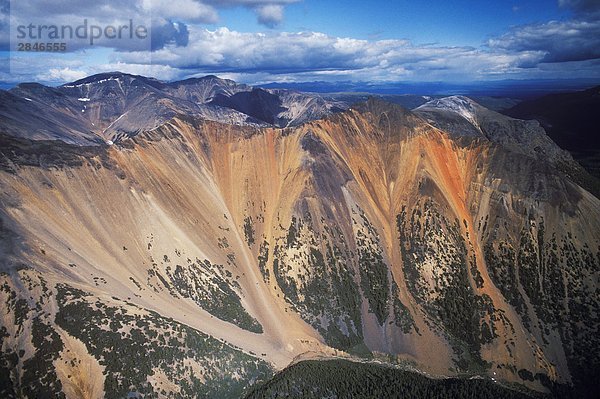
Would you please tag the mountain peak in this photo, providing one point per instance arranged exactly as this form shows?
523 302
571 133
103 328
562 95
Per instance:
464 106
206 79
113 105
389 119
377 106
112 76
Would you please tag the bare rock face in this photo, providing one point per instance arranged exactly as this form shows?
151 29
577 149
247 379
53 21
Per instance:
462 116
198 257
570 119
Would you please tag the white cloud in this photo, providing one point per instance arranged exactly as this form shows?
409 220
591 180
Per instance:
317 55
186 48
268 12
192 11
270 15
574 39
61 75
559 41
183 10
162 72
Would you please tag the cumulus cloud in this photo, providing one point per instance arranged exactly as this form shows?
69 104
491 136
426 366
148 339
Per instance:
559 41
52 8
36 17
182 10
181 46
167 20
314 54
270 15
62 70
166 32
61 75
575 39
268 12
163 72
188 10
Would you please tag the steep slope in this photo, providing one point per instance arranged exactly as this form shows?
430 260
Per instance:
279 107
37 112
303 107
106 99
257 103
571 120
224 252
203 90
462 116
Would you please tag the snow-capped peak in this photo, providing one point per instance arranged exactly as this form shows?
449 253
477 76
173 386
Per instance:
461 105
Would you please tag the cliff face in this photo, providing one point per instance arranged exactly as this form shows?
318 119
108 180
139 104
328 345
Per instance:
200 256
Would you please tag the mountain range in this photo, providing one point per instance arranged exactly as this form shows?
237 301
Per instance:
110 106
194 238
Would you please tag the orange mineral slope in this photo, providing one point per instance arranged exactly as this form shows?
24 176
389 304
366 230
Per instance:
369 230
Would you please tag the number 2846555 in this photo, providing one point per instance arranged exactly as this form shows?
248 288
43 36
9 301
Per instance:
38 46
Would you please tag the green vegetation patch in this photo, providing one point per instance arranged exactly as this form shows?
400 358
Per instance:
552 270
345 379
211 287
436 266
133 344
315 276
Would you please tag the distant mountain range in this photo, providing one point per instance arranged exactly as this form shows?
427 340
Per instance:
519 89
194 238
110 106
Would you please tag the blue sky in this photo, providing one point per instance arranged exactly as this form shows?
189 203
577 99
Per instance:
258 41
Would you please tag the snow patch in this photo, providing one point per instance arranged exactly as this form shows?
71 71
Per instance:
119 118
460 105
93 83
